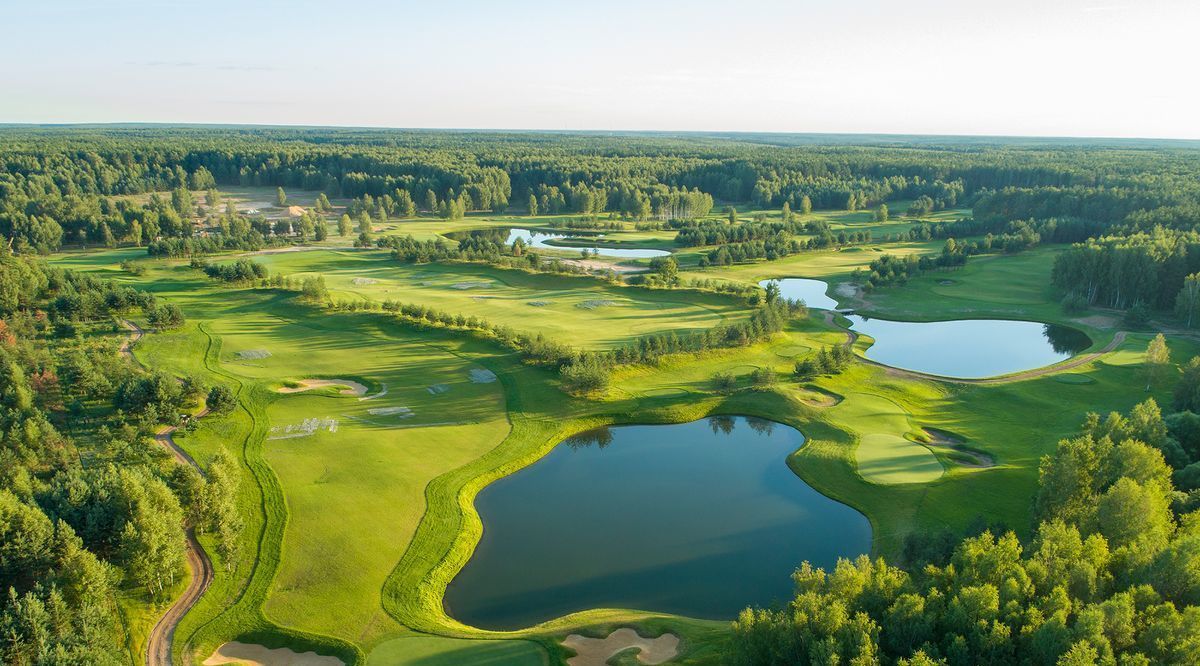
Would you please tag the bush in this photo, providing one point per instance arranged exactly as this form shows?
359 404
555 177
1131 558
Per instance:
763 377
584 375
220 400
725 381
1137 316
165 316
1074 304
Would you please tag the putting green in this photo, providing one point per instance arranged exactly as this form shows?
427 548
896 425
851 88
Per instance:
883 455
887 458
439 651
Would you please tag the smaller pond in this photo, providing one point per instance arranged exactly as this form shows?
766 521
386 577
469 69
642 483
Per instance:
969 348
701 519
540 239
545 240
812 292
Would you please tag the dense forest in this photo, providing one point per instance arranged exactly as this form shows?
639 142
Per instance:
59 185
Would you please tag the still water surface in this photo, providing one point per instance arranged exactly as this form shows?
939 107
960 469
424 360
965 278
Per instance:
700 518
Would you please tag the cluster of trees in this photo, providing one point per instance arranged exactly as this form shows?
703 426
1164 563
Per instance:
241 270
712 232
1111 575
889 269
778 246
1123 271
828 361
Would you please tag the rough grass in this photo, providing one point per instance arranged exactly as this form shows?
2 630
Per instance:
422 650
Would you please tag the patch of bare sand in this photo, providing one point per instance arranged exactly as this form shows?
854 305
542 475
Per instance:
817 397
973 459
259 655
597 265
1098 321
846 289
352 387
597 651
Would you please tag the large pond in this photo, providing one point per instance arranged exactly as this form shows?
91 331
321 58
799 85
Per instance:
543 240
701 519
969 348
812 292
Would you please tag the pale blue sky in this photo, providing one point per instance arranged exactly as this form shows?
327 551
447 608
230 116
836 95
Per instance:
1048 67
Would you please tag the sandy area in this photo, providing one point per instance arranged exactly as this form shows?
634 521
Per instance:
846 289
352 387
946 440
482 376
597 651
597 265
1099 321
819 398
402 412
258 655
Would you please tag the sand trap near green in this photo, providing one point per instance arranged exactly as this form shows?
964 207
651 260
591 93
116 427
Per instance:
439 651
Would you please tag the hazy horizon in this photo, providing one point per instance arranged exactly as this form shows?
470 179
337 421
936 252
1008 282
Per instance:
1069 69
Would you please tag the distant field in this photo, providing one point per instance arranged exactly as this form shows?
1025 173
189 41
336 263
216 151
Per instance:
582 311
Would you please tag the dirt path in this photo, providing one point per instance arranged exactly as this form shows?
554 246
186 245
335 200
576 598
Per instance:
158 645
1073 362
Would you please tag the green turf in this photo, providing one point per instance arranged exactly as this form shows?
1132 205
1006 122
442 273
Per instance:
351 536
437 651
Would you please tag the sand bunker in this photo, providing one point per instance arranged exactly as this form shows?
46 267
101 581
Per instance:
250 354
382 392
846 289
472 285
539 304
402 412
438 389
304 428
818 397
364 281
965 457
482 376
259 655
597 651
351 387
592 305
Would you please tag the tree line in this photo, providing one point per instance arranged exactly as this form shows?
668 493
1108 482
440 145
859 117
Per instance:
92 514
1110 575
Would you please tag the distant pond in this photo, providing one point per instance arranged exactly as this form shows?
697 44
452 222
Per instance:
969 348
701 519
542 239
812 292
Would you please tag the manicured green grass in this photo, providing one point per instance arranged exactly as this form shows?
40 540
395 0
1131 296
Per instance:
422 650
582 311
